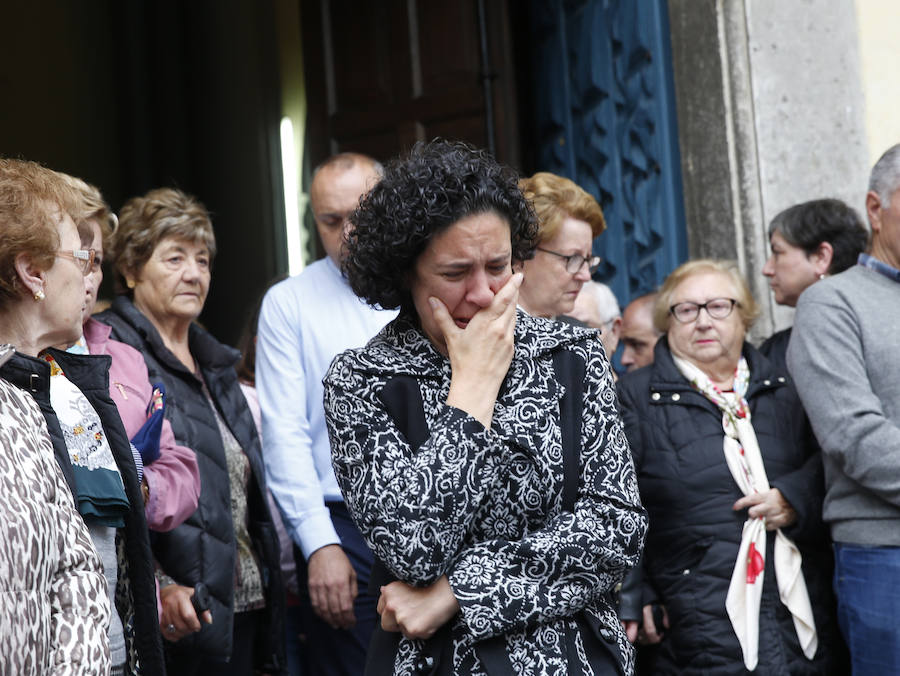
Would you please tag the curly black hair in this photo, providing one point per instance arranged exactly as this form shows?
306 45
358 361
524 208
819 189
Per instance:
435 185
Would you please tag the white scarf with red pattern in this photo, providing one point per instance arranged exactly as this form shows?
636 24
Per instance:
745 462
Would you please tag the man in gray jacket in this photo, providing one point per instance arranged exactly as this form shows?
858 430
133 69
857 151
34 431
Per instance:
844 356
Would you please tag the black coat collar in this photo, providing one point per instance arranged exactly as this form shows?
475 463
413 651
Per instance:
210 354
666 379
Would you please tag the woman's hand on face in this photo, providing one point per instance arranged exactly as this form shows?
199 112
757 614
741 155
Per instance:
770 505
416 612
178 617
481 353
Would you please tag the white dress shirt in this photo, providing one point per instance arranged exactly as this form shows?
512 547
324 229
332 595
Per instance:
304 323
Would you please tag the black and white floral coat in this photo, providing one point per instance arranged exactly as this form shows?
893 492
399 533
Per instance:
484 506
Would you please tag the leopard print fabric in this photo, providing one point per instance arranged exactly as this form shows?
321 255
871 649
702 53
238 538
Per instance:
54 609
484 506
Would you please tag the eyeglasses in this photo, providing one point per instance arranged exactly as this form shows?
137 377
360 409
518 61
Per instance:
84 258
575 261
717 308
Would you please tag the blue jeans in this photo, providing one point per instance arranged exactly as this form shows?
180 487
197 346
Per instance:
867 585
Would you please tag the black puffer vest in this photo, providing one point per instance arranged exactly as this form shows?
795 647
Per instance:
202 549
136 593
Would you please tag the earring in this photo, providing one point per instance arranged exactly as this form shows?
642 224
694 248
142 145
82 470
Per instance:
39 295
822 276
129 283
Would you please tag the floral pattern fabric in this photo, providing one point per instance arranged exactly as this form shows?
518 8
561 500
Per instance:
484 506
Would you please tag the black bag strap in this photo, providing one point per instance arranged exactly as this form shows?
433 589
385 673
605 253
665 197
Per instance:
570 369
403 402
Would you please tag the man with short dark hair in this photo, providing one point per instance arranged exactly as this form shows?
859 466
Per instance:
638 335
304 322
843 356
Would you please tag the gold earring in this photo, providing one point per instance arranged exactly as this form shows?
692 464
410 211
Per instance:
129 283
39 295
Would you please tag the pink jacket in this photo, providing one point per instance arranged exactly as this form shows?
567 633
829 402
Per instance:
174 479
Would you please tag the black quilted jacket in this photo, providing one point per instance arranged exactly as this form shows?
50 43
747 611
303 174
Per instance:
676 438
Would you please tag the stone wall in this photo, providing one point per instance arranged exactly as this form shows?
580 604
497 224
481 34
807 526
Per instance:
770 113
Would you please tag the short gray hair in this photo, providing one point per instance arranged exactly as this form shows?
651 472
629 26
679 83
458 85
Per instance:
607 305
885 176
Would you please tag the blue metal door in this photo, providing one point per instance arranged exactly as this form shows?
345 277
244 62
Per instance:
604 113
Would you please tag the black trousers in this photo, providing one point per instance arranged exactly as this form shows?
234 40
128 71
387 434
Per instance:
182 663
339 652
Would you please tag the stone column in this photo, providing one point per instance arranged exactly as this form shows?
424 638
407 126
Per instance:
770 113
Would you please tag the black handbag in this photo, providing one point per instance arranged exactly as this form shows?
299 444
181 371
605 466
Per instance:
403 401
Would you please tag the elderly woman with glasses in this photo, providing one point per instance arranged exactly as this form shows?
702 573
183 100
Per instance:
162 254
568 220
43 269
171 480
737 556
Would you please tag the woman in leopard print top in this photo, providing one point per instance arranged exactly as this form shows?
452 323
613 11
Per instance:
54 610
53 605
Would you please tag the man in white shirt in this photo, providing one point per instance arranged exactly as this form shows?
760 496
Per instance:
304 322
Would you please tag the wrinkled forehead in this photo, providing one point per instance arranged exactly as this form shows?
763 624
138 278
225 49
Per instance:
182 245
703 286
69 234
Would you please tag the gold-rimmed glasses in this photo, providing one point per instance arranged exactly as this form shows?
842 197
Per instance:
84 258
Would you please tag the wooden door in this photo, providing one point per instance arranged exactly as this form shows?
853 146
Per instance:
382 74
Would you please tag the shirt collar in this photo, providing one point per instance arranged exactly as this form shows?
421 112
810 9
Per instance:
879 266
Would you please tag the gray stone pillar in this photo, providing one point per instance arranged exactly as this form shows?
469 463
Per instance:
770 113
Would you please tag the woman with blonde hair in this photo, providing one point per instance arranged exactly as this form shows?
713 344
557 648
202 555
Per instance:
568 220
170 480
737 555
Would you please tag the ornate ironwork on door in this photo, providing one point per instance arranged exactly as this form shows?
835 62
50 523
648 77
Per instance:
604 114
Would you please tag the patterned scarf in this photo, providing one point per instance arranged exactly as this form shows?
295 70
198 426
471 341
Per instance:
100 493
745 462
